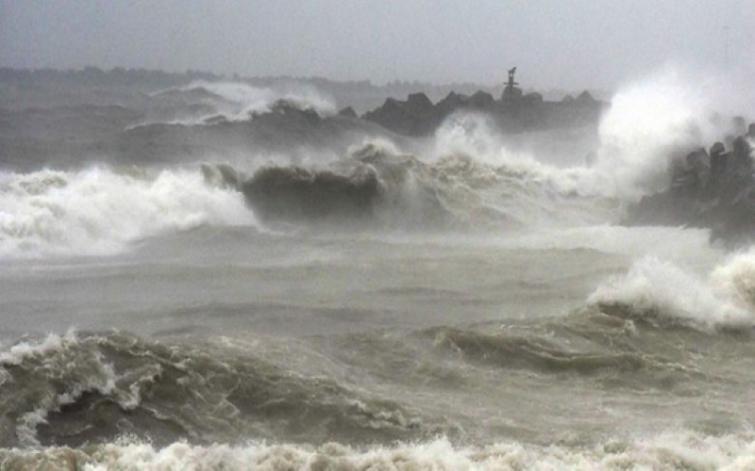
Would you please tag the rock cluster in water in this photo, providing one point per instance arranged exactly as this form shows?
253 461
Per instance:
712 188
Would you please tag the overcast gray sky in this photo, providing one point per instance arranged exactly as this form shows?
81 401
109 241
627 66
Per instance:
556 43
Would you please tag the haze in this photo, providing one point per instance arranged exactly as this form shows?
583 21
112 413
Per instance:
565 44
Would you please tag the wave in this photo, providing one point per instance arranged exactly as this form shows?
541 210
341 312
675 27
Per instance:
735 279
203 102
378 186
662 293
101 211
672 449
79 388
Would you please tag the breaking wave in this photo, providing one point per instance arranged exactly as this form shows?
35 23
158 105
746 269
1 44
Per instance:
79 388
205 101
388 189
661 292
99 211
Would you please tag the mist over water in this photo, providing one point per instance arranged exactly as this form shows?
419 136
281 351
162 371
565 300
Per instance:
463 300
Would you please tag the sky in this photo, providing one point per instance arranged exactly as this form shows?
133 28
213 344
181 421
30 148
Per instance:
554 43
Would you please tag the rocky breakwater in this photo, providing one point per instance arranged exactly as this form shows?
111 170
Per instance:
712 188
513 112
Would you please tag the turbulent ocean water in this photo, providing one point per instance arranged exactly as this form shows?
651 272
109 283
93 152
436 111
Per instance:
480 309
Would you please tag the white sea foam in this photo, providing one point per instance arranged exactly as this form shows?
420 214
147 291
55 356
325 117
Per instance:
670 450
665 292
99 211
16 354
735 279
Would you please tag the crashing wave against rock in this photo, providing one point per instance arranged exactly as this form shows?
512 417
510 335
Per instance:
714 189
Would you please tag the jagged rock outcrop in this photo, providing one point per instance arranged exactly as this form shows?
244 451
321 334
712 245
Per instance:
713 189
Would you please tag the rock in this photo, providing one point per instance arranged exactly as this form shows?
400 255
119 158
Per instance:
718 158
292 111
585 98
715 190
693 173
533 98
514 112
348 112
419 103
452 102
742 156
415 116
481 100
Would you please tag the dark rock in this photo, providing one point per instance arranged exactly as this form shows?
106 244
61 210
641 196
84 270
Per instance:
481 100
515 112
292 111
742 156
533 97
348 112
415 116
452 102
585 98
419 103
715 191
718 158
